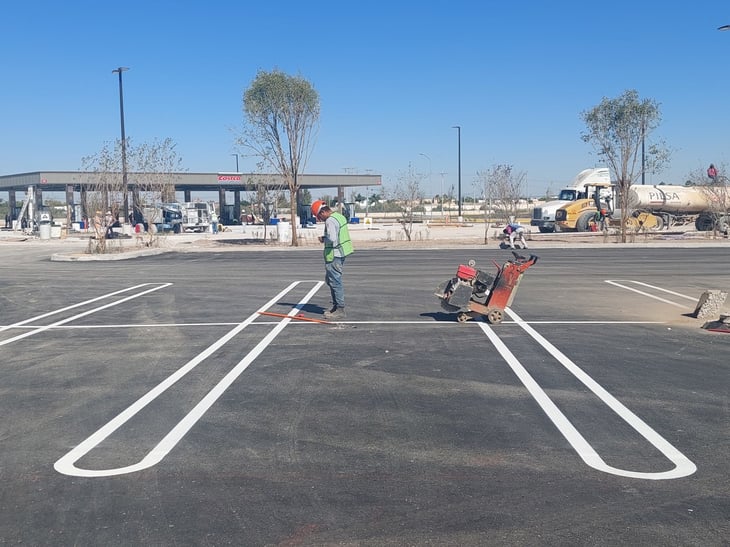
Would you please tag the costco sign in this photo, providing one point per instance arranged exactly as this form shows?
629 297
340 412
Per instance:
229 178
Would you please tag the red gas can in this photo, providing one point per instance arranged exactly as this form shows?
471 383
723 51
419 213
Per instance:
467 273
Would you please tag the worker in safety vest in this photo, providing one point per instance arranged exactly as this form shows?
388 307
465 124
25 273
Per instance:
337 246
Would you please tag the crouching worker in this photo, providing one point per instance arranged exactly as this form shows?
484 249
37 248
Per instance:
337 247
515 231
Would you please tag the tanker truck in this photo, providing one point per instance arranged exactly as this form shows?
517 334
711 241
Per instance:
706 205
653 208
543 216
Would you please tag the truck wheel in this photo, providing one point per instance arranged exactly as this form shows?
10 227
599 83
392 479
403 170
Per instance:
704 223
584 221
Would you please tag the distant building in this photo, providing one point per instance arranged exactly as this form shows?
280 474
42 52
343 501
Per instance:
75 183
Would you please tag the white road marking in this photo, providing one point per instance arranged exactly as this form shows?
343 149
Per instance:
615 283
657 288
66 464
84 303
80 315
683 466
442 324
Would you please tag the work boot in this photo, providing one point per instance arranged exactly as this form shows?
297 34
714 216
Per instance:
336 313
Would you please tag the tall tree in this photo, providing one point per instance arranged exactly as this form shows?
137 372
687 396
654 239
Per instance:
281 115
617 129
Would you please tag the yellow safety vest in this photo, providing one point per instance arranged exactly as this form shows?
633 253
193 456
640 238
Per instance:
343 238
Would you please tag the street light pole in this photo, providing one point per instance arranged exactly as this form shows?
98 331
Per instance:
124 143
236 161
458 129
442 193
429 168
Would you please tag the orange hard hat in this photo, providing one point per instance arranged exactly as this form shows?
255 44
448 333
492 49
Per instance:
316 206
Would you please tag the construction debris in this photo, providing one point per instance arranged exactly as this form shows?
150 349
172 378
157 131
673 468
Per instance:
710 304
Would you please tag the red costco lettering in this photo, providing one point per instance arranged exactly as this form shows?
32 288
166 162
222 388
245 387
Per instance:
229 177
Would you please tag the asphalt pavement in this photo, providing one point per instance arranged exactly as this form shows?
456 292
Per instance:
150 402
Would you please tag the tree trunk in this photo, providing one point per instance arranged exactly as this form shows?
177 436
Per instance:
293 209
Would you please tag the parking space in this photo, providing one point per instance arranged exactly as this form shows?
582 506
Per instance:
149 401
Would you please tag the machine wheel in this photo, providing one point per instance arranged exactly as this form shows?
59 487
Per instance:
462 317
660 224
495 316
584 221
545 230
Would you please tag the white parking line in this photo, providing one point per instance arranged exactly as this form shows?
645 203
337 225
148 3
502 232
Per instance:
84 303
422 323
683 466
80 315
617 284
66 464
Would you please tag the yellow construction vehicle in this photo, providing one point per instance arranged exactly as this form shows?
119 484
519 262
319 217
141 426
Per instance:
584 215
597 212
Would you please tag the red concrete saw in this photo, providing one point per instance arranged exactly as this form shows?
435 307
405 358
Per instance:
473 292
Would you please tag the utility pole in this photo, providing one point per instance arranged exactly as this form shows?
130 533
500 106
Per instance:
125 191
442 173
458 129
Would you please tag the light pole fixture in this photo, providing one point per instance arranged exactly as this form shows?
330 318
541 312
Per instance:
458 129
124 142
236 161
724 27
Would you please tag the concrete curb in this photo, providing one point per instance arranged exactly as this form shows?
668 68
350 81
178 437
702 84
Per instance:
383 238
123 255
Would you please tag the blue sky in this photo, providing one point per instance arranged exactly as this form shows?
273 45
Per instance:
393 79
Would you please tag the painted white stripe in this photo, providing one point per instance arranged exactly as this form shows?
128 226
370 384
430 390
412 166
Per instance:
657 288
80 315
84 303
645 293
421 322
66 464
683 466
452 324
